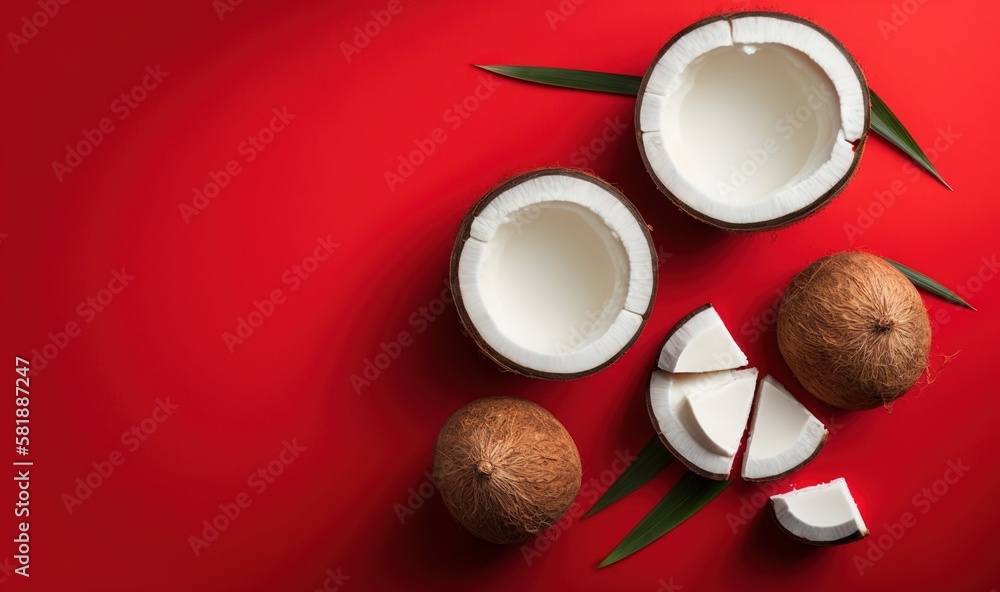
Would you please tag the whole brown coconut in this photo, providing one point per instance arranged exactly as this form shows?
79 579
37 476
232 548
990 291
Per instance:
854 331
506 468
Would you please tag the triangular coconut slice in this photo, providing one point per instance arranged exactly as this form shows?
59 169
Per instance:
701 417
784 435
823 514
700 342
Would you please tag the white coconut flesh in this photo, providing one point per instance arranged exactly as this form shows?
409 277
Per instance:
702 417
753 120
784 435
702 343
821 514
557 274
716 417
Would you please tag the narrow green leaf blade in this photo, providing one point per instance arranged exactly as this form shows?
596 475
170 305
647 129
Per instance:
621 84
922 281
885 124
688 496
884 121
652 459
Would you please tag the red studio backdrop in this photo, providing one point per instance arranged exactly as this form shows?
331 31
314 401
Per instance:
216 213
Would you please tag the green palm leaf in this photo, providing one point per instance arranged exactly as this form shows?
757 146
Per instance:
688 496
922 281
653 458
884 122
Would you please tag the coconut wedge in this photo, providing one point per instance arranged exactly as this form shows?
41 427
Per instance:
700 342
751 121
554 274
784 435
701 417
823 514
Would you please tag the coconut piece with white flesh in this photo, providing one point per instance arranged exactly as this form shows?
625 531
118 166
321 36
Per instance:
784 435
823 514
554 274
700 342
752 120
701 417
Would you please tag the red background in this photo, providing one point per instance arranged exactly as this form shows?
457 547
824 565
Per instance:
335 506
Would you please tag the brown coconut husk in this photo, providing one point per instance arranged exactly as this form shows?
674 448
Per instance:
854 331
506 468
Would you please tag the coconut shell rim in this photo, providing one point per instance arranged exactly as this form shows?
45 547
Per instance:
463 235
792 217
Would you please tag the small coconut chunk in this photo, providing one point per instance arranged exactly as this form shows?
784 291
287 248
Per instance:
696 436
823 514
784 435
700 342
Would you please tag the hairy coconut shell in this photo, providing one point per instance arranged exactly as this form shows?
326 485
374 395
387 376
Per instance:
854 331
506 468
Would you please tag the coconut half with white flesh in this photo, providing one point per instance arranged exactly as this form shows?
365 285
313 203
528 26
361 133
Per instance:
823 514
700 342
554 274
701 417
752 120
784 435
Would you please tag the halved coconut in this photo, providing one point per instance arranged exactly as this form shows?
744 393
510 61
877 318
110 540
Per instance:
554 274
784 435
701 417
823 514
700 342
752 120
